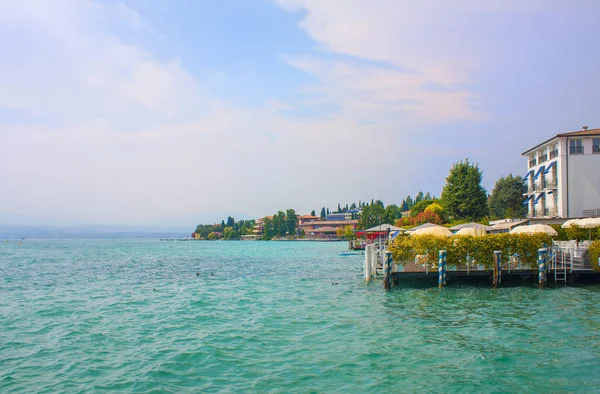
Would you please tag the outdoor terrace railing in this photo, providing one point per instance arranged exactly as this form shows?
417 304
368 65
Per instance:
532 162
590 212
543 158
553 153
551 184
539 186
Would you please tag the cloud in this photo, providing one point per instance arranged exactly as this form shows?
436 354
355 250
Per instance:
67 60
410 45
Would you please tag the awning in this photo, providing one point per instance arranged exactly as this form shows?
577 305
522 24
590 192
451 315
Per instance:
527 176
538 198
550 191
551 166
527 199
538 172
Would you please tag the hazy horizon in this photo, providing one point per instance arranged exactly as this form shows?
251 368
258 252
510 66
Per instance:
124 112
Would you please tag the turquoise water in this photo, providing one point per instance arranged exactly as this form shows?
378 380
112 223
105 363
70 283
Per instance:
134 316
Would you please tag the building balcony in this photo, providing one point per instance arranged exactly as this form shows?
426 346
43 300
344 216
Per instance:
543 158
539 186
551 184
532 162
528 189
551 212
553 153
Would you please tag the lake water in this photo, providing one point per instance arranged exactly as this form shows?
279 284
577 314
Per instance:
151 316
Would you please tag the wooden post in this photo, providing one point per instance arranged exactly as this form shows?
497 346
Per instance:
542 267
388 271
497 268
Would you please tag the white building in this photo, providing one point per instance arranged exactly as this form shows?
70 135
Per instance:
563 176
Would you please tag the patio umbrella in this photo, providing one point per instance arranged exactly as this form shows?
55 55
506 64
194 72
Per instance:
437 230
569 223
534 228
471 231
589 223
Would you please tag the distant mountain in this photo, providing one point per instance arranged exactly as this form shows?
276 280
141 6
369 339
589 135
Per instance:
62 226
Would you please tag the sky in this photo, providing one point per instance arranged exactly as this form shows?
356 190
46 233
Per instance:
170 111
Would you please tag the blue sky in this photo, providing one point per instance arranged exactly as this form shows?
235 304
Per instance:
142 112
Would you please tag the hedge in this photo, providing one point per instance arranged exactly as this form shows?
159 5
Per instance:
481 249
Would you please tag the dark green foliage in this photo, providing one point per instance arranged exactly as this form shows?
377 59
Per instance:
233 230
507 198
392 214
230 222
291 221
312 213
463 197
372 215
323 214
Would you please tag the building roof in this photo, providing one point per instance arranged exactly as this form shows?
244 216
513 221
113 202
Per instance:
330 222
383 227
324 230
308 217
508 225
580 133
469 225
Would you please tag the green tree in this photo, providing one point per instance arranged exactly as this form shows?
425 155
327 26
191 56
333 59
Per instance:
312 213
268 229
463 197
228 233
291 221
419 197
323 213
435 208
392 213
507 198
419 207
353 206
230 222
372 215
279 224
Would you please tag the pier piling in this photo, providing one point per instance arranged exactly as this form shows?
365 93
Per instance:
441 268
369 262
497 268
542 267
388 271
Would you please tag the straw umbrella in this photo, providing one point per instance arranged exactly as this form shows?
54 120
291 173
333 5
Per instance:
438 230
474 231
589 223
570 223
534 228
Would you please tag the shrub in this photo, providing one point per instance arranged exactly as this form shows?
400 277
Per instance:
594 255
481 249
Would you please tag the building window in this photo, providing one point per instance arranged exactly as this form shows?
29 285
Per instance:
532 160
596 145
554 151
576 147
544 156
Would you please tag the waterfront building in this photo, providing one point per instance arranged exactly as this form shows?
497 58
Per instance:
348 215
310 227
563 176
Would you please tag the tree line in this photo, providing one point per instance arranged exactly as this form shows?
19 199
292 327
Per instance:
463 198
